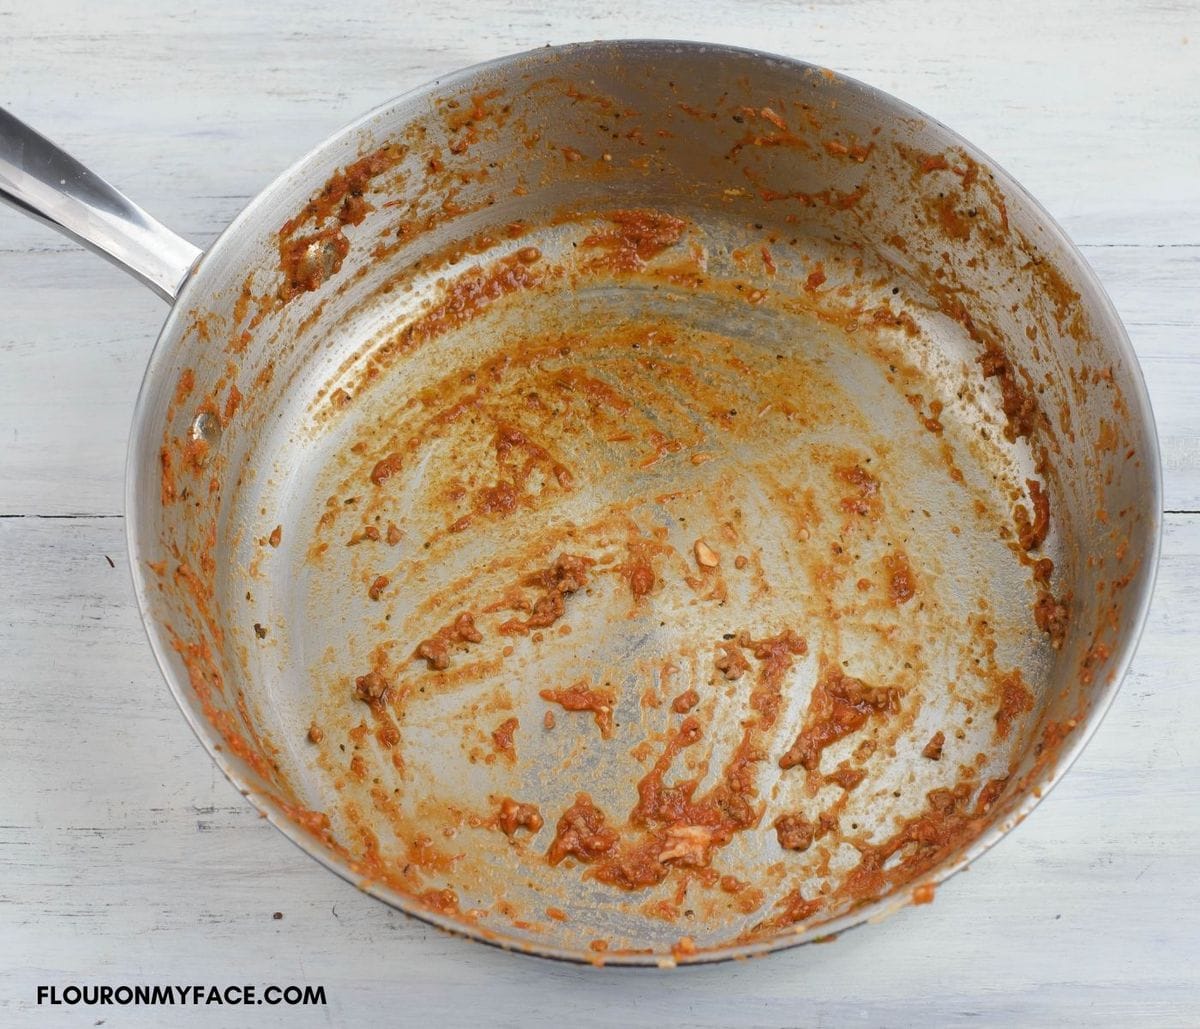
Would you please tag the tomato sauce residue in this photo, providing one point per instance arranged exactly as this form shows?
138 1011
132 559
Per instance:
232 402
580 696
864 501
901 580
1052 615
168 490
1032 531
855 151
1015 700
515 815
949 819
793 909
184 386
582 833
436 650
342 195
634 238
923 894
385 468
444 902
502 738
567 575
518 457
840 705
1020 408
641 578
308 260
679 828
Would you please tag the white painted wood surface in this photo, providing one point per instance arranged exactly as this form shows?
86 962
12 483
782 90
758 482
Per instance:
124 857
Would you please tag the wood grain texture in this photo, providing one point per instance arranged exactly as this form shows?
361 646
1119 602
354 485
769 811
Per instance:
124 857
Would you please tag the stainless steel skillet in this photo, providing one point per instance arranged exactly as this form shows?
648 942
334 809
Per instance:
634 502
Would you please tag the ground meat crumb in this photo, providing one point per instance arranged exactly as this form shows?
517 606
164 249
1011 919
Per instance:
1052 617
1032 531
371 686
315 733
435 651
581 833
465 630
502 736
687 700
795 832
515 815
385 469
731 662
933 749
567 575
706 557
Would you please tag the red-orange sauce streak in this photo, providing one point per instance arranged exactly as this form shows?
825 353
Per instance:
635 237
580 696
948 820
1032 532
1015 700
840 705
682 829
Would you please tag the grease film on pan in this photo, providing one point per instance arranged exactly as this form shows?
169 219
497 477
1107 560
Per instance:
668 503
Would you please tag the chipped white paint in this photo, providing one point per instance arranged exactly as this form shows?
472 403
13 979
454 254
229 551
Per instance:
123 855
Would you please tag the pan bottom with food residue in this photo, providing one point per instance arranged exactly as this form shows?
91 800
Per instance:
638 502
648 581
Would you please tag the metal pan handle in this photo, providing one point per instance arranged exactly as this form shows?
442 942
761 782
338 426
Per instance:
46 183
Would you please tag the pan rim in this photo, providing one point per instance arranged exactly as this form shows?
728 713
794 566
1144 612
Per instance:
1137 615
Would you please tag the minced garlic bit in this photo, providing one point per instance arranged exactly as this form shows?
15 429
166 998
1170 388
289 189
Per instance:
706 557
